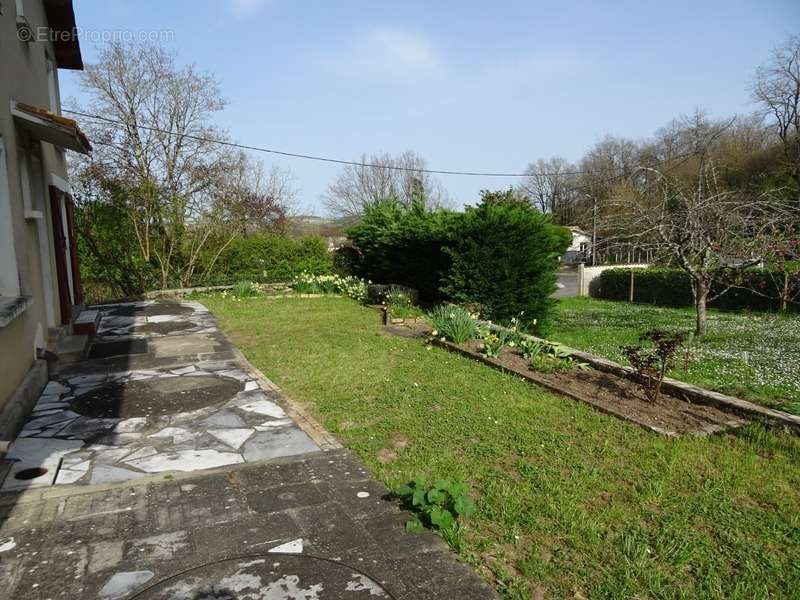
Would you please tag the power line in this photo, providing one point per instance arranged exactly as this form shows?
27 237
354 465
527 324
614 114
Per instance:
337 160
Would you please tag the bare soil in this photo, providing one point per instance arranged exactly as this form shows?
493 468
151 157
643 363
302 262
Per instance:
618 396
609 393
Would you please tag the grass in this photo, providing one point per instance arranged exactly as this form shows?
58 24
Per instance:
755 356
571 503
406 312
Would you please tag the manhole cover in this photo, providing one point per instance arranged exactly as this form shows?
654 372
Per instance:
156 396
270 576
33 473
152 310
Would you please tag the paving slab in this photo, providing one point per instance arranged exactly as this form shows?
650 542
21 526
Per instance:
317 525
163 407
191 477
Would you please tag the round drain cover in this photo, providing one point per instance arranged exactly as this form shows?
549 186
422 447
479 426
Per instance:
155 396
273 576
31 473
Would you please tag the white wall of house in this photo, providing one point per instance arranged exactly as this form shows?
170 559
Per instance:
28 74
9 276
581 242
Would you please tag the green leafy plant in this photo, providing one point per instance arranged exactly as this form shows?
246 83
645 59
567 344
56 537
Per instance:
494 343
454 323
546 363
651 362
530 348
400 304
397 298
551 357
437 506
244 289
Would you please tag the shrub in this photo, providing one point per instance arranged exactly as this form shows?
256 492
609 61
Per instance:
453 322
651 363
501 256
346 260
111 263
672 287
504 259
403 245
268 258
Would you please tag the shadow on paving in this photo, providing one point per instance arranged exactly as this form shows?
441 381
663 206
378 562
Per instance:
316 526
312 525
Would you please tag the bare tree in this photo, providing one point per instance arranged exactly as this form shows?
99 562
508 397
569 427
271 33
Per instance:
549 187
162 163
258 200
702 227
777 89
395 177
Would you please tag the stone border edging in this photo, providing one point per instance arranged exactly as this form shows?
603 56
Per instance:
181 292
681 389
542 382
389 320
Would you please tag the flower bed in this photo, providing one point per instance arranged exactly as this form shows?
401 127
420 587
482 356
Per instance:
352 287
567 373
611 394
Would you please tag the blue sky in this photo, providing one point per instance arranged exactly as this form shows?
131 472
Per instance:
470 85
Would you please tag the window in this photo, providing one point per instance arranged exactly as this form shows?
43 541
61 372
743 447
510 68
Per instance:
52 86
9 276
31 174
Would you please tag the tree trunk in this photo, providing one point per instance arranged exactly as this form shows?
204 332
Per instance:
701 290
785 294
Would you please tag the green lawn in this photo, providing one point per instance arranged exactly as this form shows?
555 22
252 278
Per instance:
571 502
755 356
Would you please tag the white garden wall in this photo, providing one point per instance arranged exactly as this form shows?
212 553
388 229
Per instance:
587 275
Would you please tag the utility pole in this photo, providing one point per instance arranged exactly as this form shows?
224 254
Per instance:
594 228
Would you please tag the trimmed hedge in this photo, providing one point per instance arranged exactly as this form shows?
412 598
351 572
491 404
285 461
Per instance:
504 259
398 244
672 287
500 257
268 258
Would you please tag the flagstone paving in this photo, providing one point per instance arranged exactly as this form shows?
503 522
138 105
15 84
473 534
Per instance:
97 423
167 467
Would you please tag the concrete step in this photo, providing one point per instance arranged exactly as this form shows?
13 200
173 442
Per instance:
72 349
87 322
56 334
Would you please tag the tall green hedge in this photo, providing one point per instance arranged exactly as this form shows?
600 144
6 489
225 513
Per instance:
672 287
397 244
500 256
504 259
267 258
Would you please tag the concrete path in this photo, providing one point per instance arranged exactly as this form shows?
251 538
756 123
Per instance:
163 390
567 282
243 496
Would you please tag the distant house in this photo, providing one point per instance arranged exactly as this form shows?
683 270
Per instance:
40 288
580 250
